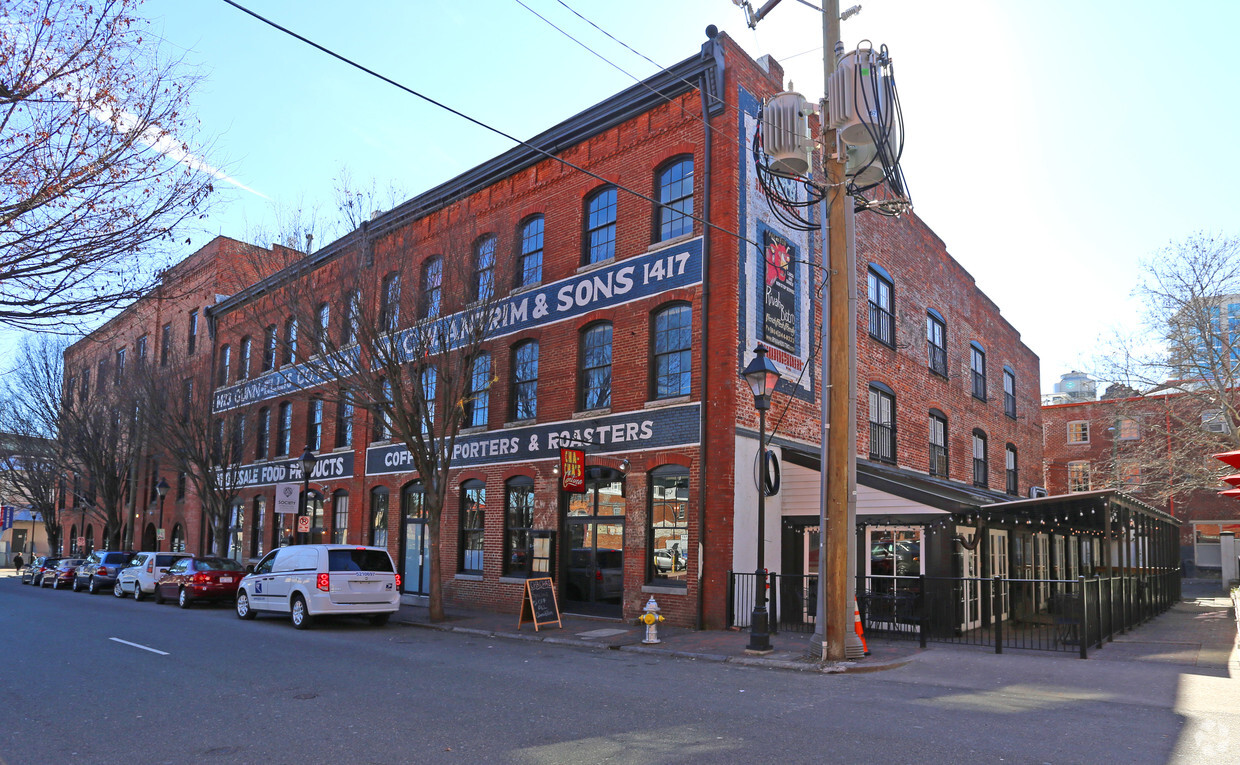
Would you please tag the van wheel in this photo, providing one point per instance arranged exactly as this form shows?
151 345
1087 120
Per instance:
379 620
301 616
117 590
243 606
137 591
183 599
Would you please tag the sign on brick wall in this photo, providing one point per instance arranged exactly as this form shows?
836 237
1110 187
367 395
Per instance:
328 467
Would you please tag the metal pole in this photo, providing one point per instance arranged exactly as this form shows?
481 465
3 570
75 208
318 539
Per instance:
759 635
305 505
159 543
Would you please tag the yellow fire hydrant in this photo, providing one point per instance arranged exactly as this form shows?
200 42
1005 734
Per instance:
651 618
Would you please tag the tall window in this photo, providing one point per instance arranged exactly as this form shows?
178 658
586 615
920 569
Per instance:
1013 486
882 326
269 348
430 382
601 226
596 367
352 315
432 287
379 499
938 444
525 381
340 517
120 365
225 365
478 399
1009 392
977 365
981 469
675 187
532 251
1078 476
101 375
673 336
1129 430
314 425
165 344
243 358
325 326
192 335
882 423
290 340
284 429
141 350
668 534
1078 432
382 430
262 433
936 342
484 269
259 522
389 303
473 507
518 524
344 424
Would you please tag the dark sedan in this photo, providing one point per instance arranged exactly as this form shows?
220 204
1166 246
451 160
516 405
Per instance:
191 580
100 570
32 568
41 567
62 574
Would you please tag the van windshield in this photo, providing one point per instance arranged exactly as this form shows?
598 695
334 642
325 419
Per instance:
358 560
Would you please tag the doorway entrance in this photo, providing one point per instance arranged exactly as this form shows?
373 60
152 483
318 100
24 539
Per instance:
798 585
417 579
593 582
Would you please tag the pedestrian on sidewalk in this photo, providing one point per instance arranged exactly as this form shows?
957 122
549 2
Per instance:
17 562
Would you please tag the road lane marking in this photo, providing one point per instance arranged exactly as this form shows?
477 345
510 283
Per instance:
139 645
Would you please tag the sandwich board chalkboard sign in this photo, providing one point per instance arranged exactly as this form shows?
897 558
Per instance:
538 604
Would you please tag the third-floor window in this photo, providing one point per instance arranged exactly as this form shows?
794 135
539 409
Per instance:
882 324
936 342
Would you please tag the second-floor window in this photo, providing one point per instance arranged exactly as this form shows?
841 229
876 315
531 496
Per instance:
325 325
1078 476
525 381
432 287
344 424
269 348
120 365
1009 392
243 358
531 252
882 324
284 430
193 331
314 425
165 344
882 424
1013 486
936 343
673 336
225 365
290 340
981 467
478 398
484 269
977 367
1078 432
938 444
261 433
596 367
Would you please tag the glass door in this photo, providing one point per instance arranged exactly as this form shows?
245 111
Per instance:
594 529
970 587
416 559
999 564
893 567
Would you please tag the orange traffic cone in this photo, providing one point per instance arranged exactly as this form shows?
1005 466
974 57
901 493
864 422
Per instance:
857 626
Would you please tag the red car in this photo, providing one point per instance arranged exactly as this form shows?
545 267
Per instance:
61 575
190 580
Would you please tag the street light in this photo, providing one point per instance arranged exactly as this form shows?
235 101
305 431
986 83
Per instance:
307 460
161 489
762 377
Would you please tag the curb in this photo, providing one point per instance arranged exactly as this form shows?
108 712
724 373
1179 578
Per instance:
843 668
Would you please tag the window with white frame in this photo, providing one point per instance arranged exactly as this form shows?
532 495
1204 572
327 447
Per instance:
1078 432
1078 476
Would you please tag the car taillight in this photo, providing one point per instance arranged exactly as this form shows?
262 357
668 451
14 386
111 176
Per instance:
324 582
102 570
398 580
150 567
598 576
201 578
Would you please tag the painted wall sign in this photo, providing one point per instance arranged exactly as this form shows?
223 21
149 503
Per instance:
572 470
328 467
779 294
631 431
623 281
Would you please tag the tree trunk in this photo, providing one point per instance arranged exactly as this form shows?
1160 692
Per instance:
433 515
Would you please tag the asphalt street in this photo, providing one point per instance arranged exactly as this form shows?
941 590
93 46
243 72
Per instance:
91 679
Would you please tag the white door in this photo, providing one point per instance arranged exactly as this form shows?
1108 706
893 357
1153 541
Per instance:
970 590
999 563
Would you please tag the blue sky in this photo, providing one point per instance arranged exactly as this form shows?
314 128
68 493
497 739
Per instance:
1051 145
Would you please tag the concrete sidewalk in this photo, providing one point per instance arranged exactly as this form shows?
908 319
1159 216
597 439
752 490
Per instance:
1200 632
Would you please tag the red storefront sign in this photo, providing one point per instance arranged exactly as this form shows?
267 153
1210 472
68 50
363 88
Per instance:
572 470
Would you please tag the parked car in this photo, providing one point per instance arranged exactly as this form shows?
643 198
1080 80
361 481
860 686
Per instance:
61 574
308 581
194 580
100 570
33 568
46 564
139 577
669 560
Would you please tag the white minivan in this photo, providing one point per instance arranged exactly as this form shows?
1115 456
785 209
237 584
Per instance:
143 571
306 581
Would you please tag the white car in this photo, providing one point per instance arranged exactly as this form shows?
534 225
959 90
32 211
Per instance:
305 581
144 570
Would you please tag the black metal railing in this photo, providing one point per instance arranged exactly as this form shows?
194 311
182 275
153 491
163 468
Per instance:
1058 615
882 328
938 359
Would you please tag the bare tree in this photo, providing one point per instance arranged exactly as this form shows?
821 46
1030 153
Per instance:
96 165
31 464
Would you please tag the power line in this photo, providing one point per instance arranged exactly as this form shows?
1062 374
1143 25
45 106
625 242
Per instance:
475 121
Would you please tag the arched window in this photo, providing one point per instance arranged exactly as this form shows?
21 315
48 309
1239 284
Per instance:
673 337
382 425
674 184
261 434
340 517
178 538
938 444
314 425
225 365
882 323
936 342
269 348
284 429
432 287
290 340
352 315
518 525
389 303
531 251
882 423
596 366
525 381
981 468
325 325
243 358
412 501
977 366
379 498
484 268
478 398
1013 487
344 423
600 234
472 516
1009 392
668 532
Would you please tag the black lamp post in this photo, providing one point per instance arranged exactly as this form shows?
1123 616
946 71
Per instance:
307 460
161 489
761 376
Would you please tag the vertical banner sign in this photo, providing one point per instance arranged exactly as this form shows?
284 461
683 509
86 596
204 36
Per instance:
7 522
287 496
572 470
779 295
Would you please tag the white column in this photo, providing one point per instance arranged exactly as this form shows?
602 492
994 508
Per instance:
1227 543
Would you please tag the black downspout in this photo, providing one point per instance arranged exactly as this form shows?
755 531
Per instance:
705 313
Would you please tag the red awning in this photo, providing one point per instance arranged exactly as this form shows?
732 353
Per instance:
1231 458
1230 493
1234 479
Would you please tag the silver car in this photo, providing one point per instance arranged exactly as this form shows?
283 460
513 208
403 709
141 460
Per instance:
144 570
